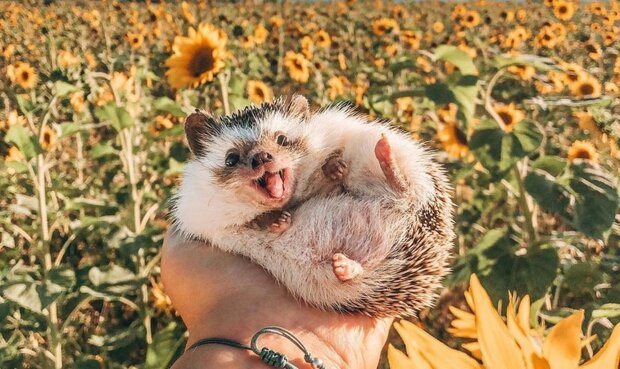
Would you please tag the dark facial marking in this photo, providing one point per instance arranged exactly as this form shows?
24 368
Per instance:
199 128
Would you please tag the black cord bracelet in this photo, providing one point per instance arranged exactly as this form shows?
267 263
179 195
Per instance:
268 356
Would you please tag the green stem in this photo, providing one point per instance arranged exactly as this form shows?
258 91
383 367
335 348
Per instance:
525 208
224 79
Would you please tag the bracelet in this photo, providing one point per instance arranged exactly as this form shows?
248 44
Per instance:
268 356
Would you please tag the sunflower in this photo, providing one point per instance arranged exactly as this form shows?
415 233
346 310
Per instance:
507 15
582 150
22 74
423 63
161 123
470 19
336 86
509 114
260 34
187 12
521 15
612 88
307 47
246 42
524 72
66 59
322 39
563 10
384 26
499 343
453 140
585 85
198 57
411 39
342 61
585 121
276 21
609 38
13 118
259 92
135 39
438 27
298 66
546 38
77 102
14 154
49 138
594 51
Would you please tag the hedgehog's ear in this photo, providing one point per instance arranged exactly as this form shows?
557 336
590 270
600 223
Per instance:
298 106
199 126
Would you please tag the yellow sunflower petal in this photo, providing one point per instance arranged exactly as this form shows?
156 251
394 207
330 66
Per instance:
398 360
520 335
437 354
562 347
474 349
609 355
499 350
523 314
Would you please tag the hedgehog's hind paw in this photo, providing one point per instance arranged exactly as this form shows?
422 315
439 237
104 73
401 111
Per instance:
344 268
383 152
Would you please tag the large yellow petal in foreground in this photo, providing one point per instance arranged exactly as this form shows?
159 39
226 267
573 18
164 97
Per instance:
562 348
398 360
437 354
499 350
608 357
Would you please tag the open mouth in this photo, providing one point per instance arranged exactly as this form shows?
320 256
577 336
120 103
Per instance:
273 184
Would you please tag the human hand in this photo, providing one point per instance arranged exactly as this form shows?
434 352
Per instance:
223 295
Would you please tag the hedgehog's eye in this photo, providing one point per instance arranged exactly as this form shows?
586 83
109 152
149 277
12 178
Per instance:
232 159
282 140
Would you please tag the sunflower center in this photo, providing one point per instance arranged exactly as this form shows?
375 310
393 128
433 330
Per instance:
202 61
586 89
562 9
298 64
259 92
583 154
470 19
25 75
506 118
460 136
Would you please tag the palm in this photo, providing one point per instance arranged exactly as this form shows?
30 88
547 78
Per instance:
223 295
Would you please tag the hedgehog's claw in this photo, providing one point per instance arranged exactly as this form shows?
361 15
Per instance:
344 268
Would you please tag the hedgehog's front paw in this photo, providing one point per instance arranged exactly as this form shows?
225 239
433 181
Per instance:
335 167
281 223
344 268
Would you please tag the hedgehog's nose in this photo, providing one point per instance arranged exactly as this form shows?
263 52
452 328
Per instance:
260 159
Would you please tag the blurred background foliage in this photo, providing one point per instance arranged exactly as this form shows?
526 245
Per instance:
520 101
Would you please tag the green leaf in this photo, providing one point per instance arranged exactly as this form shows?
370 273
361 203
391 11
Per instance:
548 193
25 142
596 194
25 105
531 273
25 295
465 91
498 150
165 344
440 93
69 128
100 150
63 276
457 57
64 88
168 105
553 165
118 117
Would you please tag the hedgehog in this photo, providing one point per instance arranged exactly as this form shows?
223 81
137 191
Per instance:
349 214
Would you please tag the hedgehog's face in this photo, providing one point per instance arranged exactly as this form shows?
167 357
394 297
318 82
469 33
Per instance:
252 156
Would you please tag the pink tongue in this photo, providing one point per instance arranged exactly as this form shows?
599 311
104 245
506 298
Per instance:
274 184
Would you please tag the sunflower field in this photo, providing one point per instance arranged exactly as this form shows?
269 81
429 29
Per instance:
521 102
